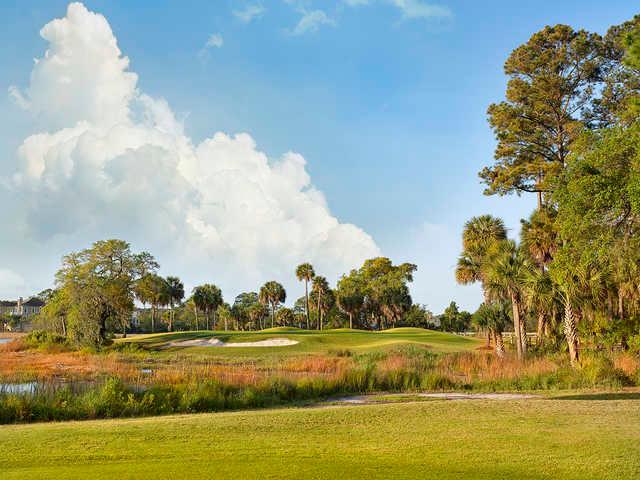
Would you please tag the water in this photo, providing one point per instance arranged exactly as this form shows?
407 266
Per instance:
5 340
18 388
51 386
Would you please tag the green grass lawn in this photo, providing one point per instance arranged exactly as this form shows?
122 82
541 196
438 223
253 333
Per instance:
309 341
524 439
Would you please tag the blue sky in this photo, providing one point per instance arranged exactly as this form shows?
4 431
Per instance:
387 110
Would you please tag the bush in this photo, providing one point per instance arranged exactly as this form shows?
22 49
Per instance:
45 339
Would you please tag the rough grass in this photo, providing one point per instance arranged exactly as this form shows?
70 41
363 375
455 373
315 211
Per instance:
534 439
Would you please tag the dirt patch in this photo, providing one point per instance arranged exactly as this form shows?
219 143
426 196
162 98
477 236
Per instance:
379 398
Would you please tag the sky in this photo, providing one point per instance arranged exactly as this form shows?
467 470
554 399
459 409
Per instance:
236 139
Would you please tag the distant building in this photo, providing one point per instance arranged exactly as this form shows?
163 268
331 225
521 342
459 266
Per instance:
20 308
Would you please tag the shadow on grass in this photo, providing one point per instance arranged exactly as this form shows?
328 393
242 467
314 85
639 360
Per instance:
601 396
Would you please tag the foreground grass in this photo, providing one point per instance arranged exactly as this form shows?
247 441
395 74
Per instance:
567 439
309 341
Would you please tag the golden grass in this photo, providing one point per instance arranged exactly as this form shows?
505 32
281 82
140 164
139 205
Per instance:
487 367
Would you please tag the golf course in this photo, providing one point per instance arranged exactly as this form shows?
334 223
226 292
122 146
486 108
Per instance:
590 437
302 341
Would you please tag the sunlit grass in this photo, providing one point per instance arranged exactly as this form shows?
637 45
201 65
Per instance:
478 439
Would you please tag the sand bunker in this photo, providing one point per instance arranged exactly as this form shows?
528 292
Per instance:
214 342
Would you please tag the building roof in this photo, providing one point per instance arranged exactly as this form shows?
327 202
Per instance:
34 302
8 303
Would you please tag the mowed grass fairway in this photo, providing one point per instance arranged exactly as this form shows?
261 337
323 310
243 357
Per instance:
309 341
477 439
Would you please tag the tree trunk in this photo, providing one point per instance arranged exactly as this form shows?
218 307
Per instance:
273 313
620 306
488 338
571 332
499 344
195 311
542 327
523 334
153 319
306 296
516 325
350 320
319 314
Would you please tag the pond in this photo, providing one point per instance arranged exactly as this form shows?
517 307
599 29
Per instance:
5 340
51 386
18 388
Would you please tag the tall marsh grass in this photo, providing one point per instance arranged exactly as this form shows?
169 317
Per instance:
82 385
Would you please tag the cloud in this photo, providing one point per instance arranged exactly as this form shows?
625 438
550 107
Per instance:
410 9
356 3
311 21
215 41
12 285
250 12
416 9
115 162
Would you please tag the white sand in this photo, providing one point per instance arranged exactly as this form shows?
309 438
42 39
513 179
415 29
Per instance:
214 342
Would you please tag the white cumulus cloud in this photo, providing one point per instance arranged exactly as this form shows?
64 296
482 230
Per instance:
115 162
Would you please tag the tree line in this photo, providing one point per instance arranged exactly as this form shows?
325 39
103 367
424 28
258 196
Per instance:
97 290
568 131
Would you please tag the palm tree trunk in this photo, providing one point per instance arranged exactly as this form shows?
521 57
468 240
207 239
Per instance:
319 314
350 320
523 334
542 327
153 319
516 325
499 344
195 311
620 306
306 296
273 313
488 338
571 332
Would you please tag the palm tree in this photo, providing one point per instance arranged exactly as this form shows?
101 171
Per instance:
478 235
580 284
272 294
154 290
176 294
541 297
324 298
224 314
305 273
207 298
539 238
503 272
493 317
256 312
